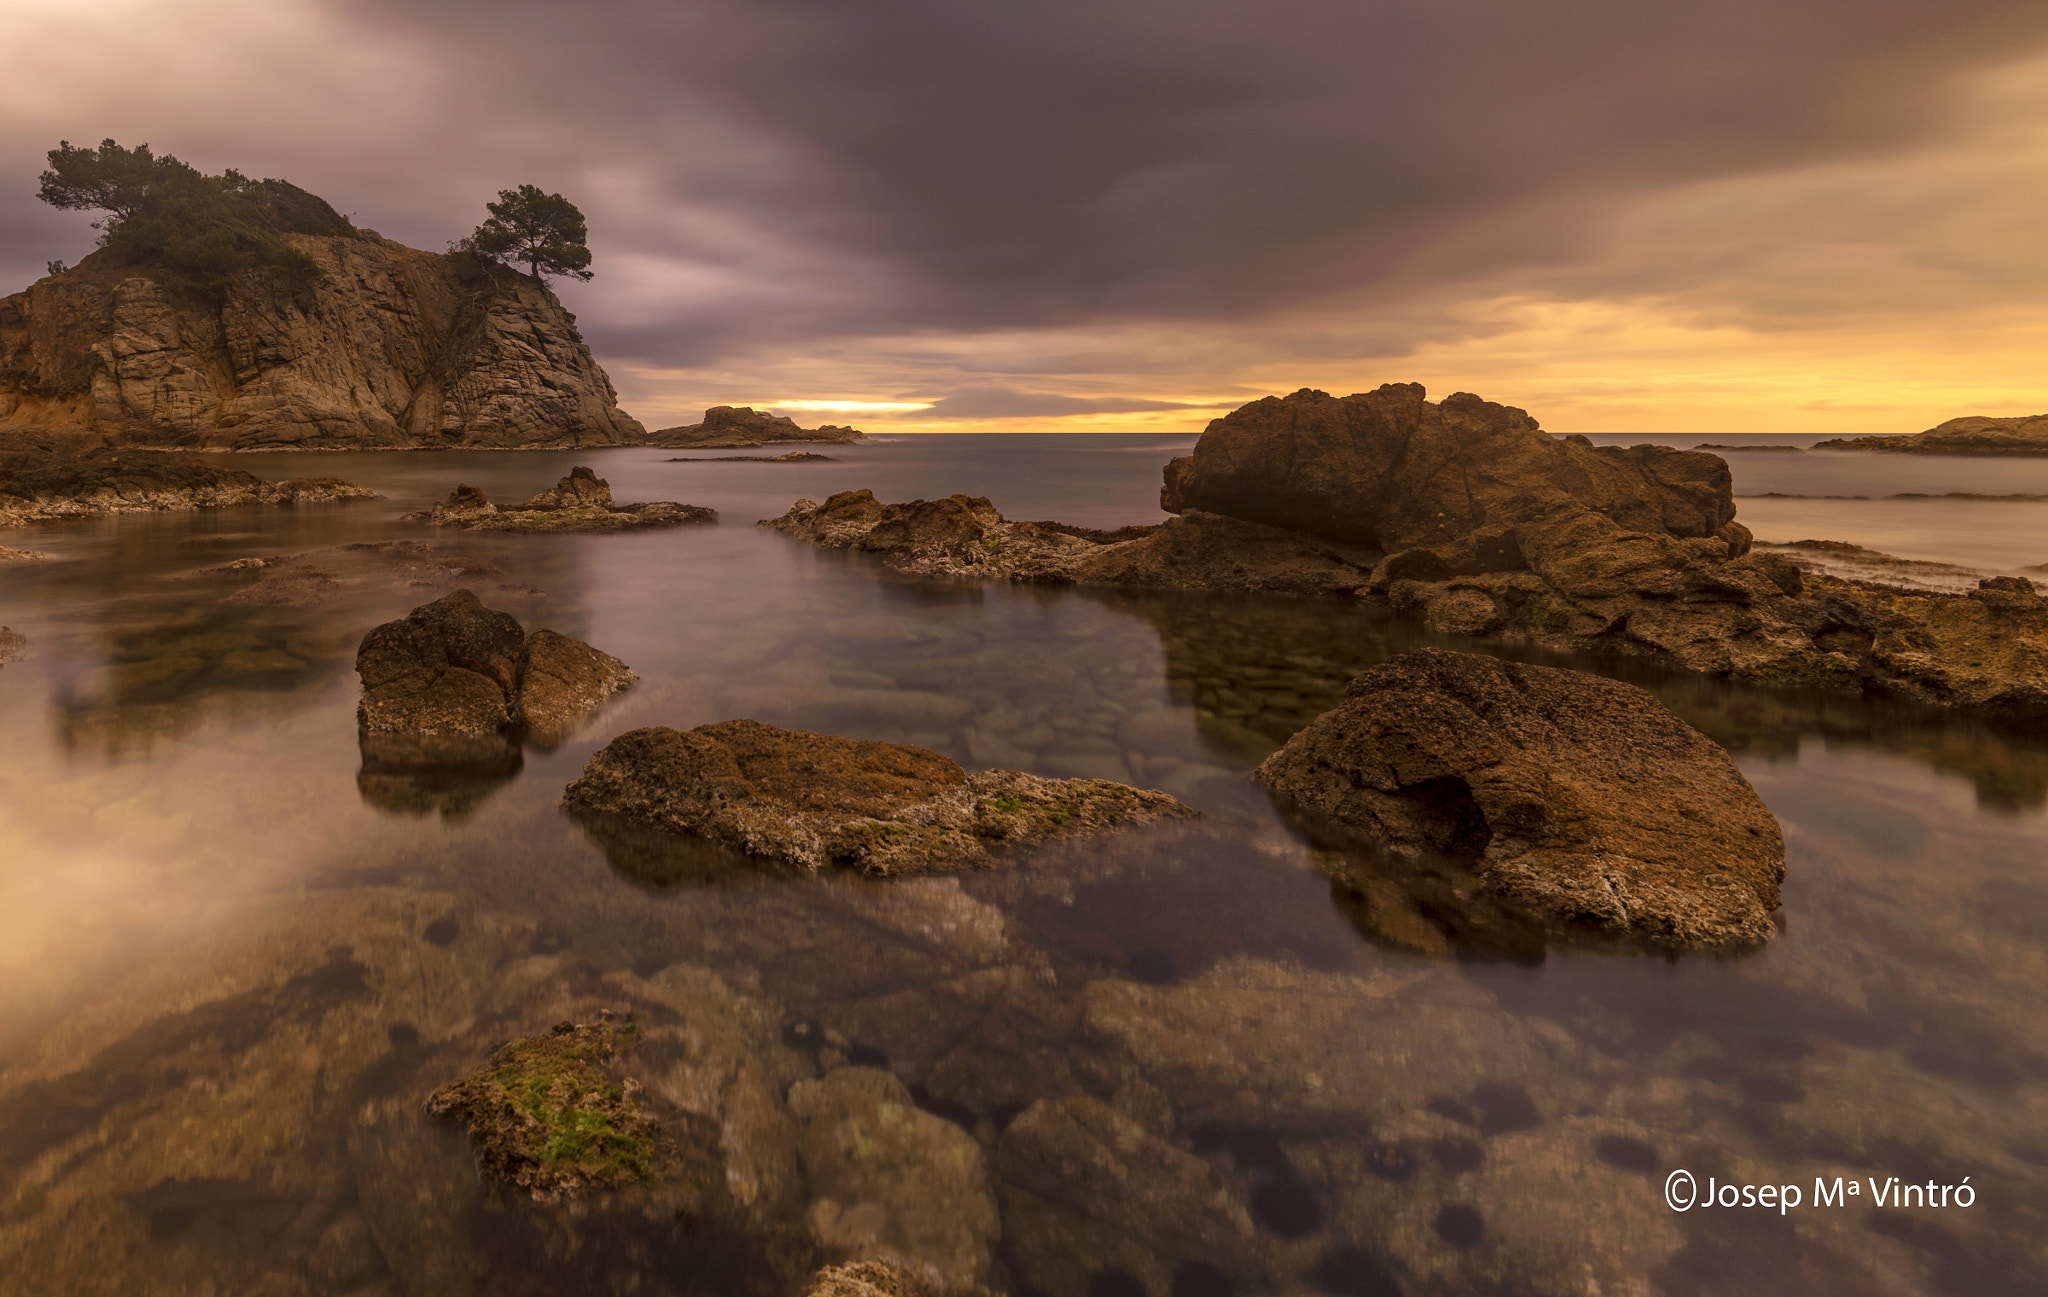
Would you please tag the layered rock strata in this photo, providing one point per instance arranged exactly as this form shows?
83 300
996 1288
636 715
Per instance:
1468 518
1578 798
1974 434
808 800
582 501
390 348
726 427
456 682
52 481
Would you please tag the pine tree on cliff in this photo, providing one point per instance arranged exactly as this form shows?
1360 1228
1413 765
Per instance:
546 231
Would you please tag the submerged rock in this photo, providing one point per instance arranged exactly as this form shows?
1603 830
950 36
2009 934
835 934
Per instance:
891 1180
730 426
1580 798
45 483
13 645
582 501
810 800
458 682
549 1118
786 457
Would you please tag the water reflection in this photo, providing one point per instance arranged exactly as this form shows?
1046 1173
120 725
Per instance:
233 983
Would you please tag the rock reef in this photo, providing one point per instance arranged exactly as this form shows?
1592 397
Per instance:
1973 434
389 348
1578 798
456 682
52 480
1470 519
582 501
726 427
809 800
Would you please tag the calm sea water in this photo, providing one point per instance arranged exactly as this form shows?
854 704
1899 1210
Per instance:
236 960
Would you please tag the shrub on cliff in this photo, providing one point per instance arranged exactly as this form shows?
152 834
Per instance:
197 232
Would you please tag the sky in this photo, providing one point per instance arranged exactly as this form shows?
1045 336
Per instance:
1802 216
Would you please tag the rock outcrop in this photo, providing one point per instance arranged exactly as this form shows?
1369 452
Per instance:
57 481
456 682
1974 434
393 348
725 427
582 501
1578 797
1466 517
809 800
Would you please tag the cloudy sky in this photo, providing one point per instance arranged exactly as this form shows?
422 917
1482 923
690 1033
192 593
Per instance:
1624 215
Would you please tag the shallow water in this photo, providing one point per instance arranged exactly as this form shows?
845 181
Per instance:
237 961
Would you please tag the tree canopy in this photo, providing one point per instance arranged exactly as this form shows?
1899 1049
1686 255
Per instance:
198 232
545 231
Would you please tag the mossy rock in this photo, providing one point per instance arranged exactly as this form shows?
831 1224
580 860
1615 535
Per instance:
551 1116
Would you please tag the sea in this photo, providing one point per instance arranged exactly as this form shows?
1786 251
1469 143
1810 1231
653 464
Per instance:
238 957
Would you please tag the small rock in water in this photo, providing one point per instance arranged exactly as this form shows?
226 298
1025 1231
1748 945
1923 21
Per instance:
810 800
582 501
1579 798
455 681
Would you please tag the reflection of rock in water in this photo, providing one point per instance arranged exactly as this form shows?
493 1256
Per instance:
656 857
449 790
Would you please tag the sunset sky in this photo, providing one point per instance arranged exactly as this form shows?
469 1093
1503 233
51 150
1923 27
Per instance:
1817 216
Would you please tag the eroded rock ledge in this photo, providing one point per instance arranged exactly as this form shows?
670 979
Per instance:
1579 799
809 800
45 483
582 501
1468 517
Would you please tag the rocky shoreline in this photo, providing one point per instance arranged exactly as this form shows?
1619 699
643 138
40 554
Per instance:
1975 434
1466 517
730 427
48 483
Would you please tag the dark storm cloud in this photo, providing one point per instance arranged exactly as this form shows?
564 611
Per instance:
1029 163
778 173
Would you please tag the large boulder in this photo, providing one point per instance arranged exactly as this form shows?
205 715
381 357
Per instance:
456 682
809 800
1580 798
1390 470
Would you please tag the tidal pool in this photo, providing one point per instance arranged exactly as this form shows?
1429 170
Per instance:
1177 1062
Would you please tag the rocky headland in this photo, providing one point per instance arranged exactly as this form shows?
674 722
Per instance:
1973 434
1580 800
1467 517
47 481
457 682
386 348
582 501
806 800
728 427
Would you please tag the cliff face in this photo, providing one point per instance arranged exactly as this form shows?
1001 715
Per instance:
394 348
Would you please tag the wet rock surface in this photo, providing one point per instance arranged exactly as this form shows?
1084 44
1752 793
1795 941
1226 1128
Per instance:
550 1117
1973 434
809 800
582 501
49 482
731 426
457 682
1580 798
786 457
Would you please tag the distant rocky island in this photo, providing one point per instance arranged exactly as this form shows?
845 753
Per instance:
386 348
1973 434
729 427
